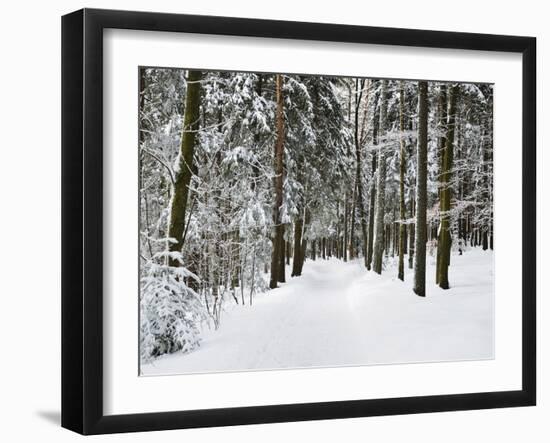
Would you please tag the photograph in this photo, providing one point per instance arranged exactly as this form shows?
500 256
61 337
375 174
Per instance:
295 221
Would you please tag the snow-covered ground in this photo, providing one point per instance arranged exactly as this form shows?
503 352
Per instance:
339 314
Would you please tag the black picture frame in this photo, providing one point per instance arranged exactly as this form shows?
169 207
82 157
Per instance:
82 215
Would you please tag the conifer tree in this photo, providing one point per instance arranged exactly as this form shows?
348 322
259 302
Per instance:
380 208
402 169
421 191
444 243
278 241
178 205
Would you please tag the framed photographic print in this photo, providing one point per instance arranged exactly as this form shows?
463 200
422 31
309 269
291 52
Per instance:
270 221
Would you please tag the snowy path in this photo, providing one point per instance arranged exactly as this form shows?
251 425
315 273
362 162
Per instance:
338 313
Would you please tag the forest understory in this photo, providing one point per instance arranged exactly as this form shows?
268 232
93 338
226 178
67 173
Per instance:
335 314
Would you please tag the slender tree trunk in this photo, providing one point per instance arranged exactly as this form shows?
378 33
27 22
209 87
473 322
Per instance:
178 205
442 126
352 224
236 258
444 242
281 272
359 86
346 220
411 234
372 203
402 168
421 191
372 187
307 221
257 139
278 185
395 234
253 274
338 251
381 187
387 238
297 261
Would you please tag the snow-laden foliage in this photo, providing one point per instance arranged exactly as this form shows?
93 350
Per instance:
170 312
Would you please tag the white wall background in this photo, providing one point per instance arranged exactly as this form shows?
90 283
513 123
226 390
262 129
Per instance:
30 219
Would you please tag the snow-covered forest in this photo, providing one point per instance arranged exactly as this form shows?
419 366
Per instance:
314 209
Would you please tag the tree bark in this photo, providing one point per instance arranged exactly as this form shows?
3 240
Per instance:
359 86
282 250
352 227
178 204
442 123
345 237
402 167
372 186
372 203
297 260
278 230
257 139
444 243
419 286
381 187
411 234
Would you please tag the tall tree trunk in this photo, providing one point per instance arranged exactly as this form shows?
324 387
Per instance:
338 251
419 286
442 126
345 238
236 258
178 205
281 272
352 227
359 86
372 186
444 242
372 203
381 187
297 260
411 234
278 185
307 221
257 139
402 167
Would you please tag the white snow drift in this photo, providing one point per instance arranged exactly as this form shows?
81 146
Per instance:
339 314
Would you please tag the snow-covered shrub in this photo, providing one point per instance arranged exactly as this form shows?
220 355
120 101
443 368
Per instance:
170 311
